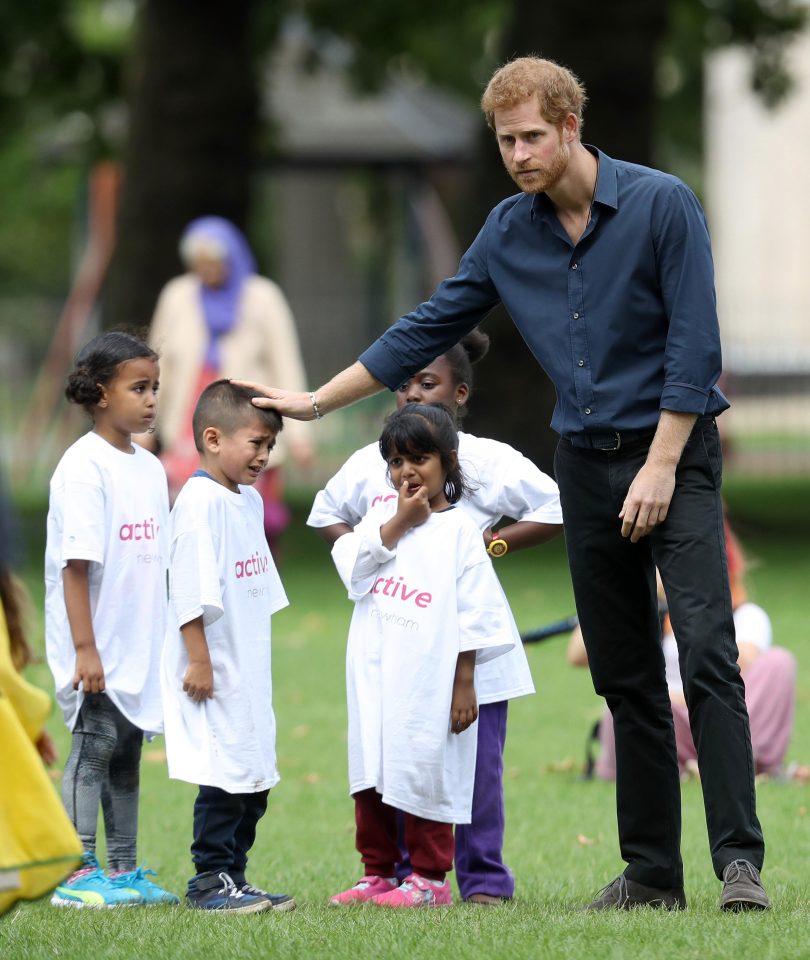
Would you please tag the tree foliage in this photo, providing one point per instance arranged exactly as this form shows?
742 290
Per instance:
456 43
190 84
453 43
622 52
62 66
193 122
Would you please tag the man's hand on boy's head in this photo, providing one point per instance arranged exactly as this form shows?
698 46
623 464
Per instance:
198 681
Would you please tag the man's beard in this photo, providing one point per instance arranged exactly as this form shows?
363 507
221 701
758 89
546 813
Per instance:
544 178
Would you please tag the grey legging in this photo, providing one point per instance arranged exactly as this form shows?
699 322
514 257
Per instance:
104 768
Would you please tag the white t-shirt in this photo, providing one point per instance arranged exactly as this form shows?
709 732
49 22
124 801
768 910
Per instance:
111 508
503 483
220 568
751 625
416 608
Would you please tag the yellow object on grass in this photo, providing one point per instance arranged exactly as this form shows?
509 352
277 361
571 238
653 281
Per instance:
38 845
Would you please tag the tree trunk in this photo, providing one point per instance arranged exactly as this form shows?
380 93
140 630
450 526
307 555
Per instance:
612 47
191 148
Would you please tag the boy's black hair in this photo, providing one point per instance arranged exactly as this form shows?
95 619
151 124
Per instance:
227 407
426 428
97 363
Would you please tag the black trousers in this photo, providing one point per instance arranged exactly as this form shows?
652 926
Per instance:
614 588
225 829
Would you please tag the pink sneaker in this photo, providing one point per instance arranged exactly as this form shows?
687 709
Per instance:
416 891
363 891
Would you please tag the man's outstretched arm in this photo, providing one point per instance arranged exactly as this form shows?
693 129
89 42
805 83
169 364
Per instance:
347 387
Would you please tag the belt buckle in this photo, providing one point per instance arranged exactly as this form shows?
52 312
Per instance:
618 444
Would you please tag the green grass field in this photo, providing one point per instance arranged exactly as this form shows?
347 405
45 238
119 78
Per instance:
561 836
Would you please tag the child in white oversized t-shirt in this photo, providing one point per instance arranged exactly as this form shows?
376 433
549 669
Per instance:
216 679
105 611
501 483
428 607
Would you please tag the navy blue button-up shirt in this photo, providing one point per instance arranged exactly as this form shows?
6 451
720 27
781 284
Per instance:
624 321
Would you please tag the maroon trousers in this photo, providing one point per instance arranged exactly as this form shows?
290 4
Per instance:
430 843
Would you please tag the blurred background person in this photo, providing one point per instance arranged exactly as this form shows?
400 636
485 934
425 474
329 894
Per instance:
38 845
769 673
220 319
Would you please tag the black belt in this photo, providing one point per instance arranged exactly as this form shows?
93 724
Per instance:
610 441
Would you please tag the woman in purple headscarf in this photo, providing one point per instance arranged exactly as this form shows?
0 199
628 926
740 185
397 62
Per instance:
221 319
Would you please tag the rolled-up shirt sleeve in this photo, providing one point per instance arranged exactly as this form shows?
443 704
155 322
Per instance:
623 320
692 363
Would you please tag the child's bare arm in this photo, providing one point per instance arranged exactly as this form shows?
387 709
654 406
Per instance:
464 707
46 749
523 534
333 532
198 681
89 672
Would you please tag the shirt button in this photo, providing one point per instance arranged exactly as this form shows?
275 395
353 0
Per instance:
587 409
576 316
580 363
574 266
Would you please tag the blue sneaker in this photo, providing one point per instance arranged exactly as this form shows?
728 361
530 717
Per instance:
91 887
138 880
217 891
278 901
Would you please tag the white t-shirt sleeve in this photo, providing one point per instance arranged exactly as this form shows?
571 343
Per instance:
752 625
84 534
359 555
521 490
484 623
339 501
194 585
528 493
671 663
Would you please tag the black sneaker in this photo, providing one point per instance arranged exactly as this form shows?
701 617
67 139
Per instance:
216 891
626 894
278 901
742 888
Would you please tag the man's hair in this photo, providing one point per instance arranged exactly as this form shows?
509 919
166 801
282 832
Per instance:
227 407
558 91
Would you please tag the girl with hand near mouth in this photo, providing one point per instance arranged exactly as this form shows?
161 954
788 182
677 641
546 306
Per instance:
411 661
503 483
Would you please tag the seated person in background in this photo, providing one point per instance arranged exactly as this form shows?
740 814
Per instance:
770 680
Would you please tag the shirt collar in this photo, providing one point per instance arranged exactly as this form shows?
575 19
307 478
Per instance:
607 192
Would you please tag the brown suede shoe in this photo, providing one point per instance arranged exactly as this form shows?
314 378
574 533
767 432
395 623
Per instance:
742 888
626 894
485 900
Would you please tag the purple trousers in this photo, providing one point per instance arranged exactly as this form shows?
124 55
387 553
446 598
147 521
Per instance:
479 844
770 690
